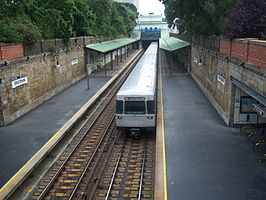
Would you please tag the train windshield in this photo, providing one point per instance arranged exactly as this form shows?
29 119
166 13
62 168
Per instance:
135 107
119 107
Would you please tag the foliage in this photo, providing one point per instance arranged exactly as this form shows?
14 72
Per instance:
197 16
31 20
19 29
246 19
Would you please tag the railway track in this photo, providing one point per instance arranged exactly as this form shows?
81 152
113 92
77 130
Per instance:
73 171
129 172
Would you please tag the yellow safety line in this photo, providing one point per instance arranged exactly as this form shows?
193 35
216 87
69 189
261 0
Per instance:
163 140
55 135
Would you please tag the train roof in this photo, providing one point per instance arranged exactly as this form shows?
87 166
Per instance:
142 79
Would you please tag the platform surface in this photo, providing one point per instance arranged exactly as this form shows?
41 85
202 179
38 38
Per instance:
205 159
21 139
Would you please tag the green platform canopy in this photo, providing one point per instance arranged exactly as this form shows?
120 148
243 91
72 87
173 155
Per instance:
107 46
172 44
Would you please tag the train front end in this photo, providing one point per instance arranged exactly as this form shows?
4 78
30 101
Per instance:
135 112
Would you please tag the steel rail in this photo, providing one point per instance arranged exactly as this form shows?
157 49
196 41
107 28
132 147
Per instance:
113 177
142 172
48 186
91 158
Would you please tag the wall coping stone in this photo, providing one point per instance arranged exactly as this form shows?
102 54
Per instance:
258 42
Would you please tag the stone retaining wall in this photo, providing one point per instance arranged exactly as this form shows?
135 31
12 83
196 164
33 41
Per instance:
213 70
46 76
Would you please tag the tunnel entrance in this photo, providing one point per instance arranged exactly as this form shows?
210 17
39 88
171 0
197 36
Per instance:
146 43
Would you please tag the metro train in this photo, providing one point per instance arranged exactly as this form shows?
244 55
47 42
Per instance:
136 99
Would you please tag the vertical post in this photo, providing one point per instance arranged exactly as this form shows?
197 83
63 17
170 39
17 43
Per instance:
125 52
104 64
112 65
87 76
117 56
121 54
87 67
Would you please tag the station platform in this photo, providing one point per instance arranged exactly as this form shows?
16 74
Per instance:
205 159
21 139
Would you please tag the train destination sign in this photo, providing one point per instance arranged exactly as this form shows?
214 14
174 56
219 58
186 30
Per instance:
20 80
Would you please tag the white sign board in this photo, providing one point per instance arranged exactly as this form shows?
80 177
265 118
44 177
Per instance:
221 78
74 61
20 80
259 109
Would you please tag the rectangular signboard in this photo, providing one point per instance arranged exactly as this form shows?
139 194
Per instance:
74 61
259 109
20 80
221 78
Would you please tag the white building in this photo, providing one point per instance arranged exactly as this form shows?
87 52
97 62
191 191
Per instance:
135 2
151 21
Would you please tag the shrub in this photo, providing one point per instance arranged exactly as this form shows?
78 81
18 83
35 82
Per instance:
18 30
246 19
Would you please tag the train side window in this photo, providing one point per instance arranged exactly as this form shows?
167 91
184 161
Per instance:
150 107
119 107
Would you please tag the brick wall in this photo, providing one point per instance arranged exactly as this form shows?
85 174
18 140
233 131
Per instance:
257 52
248 50
225 47
8 52
240 49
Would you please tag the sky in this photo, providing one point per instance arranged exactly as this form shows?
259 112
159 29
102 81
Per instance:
147 6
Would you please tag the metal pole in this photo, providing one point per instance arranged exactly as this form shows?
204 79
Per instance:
121 52
104 65
86 59
87 76
117 56
112 60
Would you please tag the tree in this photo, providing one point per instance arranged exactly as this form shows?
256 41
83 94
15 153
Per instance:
113 18
84 19
246 19
31 20
197 16
17 30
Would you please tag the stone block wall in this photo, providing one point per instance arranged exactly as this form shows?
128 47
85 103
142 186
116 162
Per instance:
44 81
214 61
221 94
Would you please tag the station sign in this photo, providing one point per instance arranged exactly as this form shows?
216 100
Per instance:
260 110
19 80
221 78
74 61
